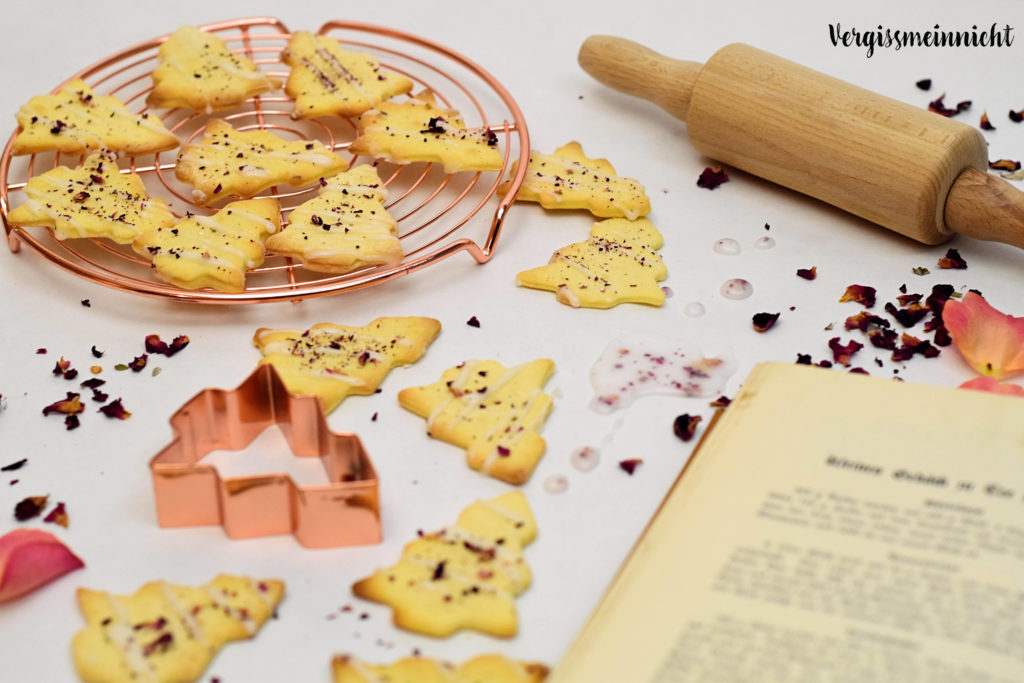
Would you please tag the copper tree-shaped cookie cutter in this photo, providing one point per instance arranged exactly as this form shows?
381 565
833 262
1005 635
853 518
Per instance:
188 493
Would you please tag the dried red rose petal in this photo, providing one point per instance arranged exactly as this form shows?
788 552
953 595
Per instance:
883 339
93 383
114 409
30 558
721 402
710 178
1004 165
100 396
860 294
41 352
911 346
907 299
803 359
138 363
685 426
764 321
938 106
30 507
58 515
953 260
1017 116
985 123
177 344
63 368
909 316
473 322
96 353
807 273
841 353
938 298
924 84
71 422
71 405
155 345
14 466
629 466
864 320
858 371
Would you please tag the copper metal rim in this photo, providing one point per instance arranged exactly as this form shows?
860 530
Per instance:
435 211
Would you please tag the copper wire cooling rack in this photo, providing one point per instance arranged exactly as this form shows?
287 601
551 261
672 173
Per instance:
434 210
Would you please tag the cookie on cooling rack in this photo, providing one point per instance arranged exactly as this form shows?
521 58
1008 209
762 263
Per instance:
332 361
569 179
617 264
212 251
76 120
465 576
326 80
492 411
227 162
198 71
344 228
493 668
165 632
419 130
93 200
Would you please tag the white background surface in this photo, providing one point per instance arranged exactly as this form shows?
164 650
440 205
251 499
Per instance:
100 472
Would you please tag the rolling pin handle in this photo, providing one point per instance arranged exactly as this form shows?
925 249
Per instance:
986 207
636 70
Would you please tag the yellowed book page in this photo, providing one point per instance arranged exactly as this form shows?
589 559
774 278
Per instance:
832 527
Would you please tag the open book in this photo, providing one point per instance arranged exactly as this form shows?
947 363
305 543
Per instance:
829 527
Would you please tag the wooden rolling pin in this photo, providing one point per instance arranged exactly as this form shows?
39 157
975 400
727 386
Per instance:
902 167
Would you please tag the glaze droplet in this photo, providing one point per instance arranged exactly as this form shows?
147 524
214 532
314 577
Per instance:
585 458
726 245
765 242
736 288
694 309
668 291
556 483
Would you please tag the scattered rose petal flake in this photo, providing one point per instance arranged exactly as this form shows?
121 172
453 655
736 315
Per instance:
58 515
99 396
70 405
992 385
764 321
864 321
938 106
920 270
841 353
883 339
86 303
909 316
1017 116
64 369
14 466
114 409
1004 165
803 359
30 558
30 507
860 294
177 344
93 383
71 422
721 402
710 178
41 352
138 363
985 123
924 84
96 353
936 301
629 466
473 322
952 260
990 341
155 345
685 426
808 273
911 346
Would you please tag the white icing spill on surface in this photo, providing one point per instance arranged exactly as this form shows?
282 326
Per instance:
694 309
641 364
765 242
736 288
556 483
585 458
726 245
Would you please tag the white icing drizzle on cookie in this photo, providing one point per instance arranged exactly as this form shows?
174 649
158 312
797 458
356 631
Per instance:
188 620
220 597
122 633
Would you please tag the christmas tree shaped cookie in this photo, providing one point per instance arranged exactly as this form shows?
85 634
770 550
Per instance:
332 361
492 411
618 264
465 576
198 71
244 163
327 80
93 200
485 668
569 179
76 120
212 251
420 130
344 228
166 633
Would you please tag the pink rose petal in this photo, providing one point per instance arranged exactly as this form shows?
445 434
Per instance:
30 558
991 341
993 386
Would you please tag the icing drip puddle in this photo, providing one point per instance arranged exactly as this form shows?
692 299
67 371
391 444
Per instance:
638 365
